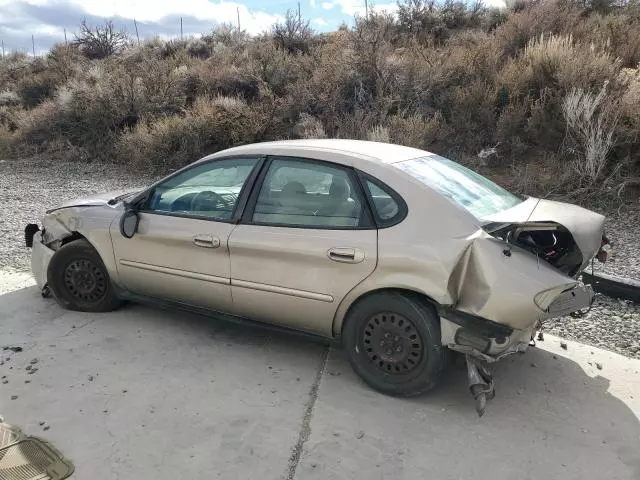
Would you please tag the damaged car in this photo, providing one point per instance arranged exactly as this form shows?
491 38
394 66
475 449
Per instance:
402 255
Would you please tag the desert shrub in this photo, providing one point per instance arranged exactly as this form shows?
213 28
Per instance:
356 125
379 133
293 35
558 62
38 125
510 127
211 78
101 41
628 132
275 69
65 62
591 123
308 127
35 88
173 141
473 116
418 131
535 19
9 98
376 72
619 33
227 35
422 20
493 87
330 89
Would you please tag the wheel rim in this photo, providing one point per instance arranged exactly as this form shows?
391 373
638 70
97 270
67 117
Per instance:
392 343
85 281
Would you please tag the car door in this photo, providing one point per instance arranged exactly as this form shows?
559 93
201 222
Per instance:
306 239
180 251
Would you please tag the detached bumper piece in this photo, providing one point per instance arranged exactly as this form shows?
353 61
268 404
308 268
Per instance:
481 383
612 286
29 458
40 258
29 231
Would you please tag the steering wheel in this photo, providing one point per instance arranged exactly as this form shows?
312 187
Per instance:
209 200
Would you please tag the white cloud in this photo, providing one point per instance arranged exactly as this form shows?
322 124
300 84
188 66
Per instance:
154 10
312 3
353 7
320 22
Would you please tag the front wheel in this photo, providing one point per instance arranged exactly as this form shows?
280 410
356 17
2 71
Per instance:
79 280
393 343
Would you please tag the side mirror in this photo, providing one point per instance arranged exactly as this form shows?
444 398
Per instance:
129 223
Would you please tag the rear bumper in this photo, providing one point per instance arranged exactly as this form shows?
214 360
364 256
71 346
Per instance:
491 341
40 258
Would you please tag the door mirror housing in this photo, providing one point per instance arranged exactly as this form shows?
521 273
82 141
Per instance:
129 223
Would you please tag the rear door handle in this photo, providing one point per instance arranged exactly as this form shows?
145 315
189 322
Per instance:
345 254
206 241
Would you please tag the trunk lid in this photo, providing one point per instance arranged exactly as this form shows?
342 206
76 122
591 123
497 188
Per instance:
531 223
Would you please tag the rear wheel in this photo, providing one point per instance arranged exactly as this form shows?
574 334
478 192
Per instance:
79 280
393 343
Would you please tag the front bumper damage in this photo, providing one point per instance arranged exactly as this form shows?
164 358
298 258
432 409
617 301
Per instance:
44 244
40 258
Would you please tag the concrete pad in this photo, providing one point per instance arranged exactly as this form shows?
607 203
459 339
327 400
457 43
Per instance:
146 393
562 418
12 280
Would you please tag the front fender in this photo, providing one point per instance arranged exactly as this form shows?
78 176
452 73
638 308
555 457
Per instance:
90 222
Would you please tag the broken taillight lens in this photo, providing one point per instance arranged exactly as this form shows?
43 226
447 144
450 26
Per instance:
605 248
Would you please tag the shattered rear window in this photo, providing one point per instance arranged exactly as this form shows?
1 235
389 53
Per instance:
477 194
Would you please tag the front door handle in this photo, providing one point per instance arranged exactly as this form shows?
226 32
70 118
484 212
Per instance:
346 254
206 241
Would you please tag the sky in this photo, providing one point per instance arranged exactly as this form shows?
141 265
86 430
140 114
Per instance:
47 20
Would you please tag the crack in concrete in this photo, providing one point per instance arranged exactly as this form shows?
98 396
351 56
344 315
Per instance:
78 328
305 429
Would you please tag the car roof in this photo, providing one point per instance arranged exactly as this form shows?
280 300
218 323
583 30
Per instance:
357 150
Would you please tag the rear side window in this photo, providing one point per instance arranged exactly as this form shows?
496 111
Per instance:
311 194
387 205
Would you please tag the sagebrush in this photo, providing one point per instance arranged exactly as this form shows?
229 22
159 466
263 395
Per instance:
548 87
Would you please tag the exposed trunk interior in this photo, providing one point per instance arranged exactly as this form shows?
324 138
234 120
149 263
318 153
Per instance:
549 241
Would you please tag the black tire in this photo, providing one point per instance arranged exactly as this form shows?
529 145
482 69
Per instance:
79 280
408 362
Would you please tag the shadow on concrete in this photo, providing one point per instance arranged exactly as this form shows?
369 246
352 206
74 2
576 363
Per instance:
549 418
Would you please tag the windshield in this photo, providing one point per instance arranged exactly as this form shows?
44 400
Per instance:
477 194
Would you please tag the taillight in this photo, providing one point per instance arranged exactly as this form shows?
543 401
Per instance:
605 248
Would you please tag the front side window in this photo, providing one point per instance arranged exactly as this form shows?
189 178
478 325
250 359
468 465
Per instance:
308 194
477 194
209 190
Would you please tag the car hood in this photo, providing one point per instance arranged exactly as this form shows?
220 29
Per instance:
586 227
97 200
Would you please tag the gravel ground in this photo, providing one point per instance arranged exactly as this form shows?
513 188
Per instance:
28 188
612 323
